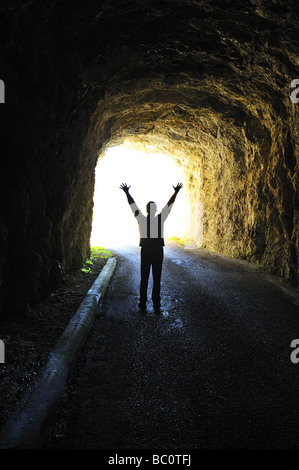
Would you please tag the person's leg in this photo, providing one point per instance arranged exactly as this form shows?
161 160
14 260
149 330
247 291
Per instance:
145 270
157 262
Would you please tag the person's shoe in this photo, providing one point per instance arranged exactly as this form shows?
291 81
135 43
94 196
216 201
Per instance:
142 305
157 308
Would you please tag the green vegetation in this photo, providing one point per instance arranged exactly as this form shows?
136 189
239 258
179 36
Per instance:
96 253
99 252
85 270
181 241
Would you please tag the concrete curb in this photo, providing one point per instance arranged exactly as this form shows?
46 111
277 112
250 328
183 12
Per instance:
27 428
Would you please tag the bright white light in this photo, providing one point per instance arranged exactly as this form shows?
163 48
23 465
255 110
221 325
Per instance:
151 177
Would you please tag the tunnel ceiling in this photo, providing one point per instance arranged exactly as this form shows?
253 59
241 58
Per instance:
188 73
206 82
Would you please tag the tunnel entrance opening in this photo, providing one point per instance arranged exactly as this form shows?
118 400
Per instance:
151 177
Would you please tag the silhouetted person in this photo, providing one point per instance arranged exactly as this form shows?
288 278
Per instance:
151 228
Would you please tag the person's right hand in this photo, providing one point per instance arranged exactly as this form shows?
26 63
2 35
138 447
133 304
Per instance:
177 188
125 187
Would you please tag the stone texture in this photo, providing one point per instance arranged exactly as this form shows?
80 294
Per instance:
208 83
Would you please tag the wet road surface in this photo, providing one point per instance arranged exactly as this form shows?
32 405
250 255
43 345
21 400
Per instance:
212 370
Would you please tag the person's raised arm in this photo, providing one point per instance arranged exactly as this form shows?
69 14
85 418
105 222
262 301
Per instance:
131 201
125 188
176 190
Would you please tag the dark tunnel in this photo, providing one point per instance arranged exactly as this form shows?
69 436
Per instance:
209 83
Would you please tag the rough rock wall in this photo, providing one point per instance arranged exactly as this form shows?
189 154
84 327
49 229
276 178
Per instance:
209 82
46 182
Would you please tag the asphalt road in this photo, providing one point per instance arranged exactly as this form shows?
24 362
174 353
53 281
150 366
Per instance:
212 370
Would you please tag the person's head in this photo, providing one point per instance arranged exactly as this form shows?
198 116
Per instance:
151 208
